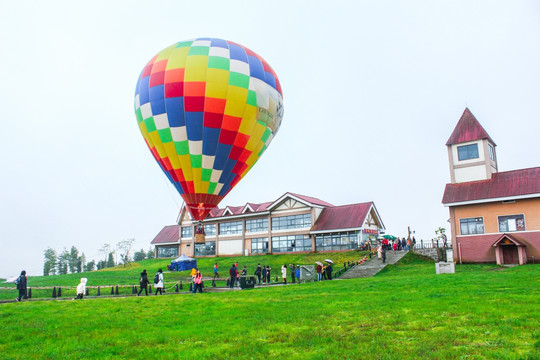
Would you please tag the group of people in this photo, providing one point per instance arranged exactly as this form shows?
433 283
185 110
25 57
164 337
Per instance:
295 273
396 244
324 272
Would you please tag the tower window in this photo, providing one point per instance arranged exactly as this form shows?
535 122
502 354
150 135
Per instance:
491 153
467 152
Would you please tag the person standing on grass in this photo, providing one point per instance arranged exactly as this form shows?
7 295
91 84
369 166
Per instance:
258 273
197 282
284 273
244 271
329 271
158 282
264 274
22 284
143 282
298 272
319 272
233 272
216 273
268 274
293 273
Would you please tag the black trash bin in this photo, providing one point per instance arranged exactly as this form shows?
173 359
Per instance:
247 281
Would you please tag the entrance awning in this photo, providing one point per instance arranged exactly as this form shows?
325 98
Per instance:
507 239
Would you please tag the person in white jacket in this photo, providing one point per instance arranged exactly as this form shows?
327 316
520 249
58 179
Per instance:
81 288
284 273
159 284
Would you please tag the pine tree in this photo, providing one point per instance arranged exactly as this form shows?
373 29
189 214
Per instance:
49 266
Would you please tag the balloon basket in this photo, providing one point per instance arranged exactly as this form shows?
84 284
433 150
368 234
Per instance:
200 238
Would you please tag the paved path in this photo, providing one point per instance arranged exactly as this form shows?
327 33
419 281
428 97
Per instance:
373 266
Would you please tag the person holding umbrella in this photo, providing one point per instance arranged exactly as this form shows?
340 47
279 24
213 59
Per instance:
329 269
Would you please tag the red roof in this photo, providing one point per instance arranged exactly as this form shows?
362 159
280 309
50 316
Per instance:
468 129
311 200
169 234
342 217
501 185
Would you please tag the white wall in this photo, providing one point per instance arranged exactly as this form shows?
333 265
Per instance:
471 173
230 247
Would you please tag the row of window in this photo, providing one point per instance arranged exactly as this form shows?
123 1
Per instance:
289 243
253 225
508 223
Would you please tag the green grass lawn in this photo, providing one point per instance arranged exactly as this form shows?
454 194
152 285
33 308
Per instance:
405 312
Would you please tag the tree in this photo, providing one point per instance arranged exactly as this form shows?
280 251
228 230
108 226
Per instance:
63 261
124 248
73 260
49 266
110 261
150 254
139 255
440 232
80 263
90 266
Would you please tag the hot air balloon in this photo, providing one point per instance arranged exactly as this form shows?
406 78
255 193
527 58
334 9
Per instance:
207 109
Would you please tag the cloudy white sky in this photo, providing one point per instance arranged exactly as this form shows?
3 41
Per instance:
372 91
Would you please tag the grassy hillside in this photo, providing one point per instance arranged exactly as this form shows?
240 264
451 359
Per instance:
405 312
129 274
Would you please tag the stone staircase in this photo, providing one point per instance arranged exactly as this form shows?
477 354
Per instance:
373 266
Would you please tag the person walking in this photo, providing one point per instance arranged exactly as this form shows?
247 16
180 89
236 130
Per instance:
284 273
233 273
197 282
22 285
257 273
264 274
293 273
81 288
319 272
384 255
143 283
216 272
158 282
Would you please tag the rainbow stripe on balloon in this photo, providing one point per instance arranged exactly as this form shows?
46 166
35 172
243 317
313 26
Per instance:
207 109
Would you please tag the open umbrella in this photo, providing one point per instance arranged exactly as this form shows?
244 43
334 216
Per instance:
329 261
389 237
319 263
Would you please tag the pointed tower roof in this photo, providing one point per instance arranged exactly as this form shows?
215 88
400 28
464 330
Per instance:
468 129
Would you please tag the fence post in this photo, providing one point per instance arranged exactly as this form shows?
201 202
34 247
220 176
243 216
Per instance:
421 243
117 290
98 291
59 292
54 292
112 290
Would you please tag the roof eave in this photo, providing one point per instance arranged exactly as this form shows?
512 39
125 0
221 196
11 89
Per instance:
487 200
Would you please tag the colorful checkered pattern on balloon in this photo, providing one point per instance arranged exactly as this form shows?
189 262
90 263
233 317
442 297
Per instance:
208 108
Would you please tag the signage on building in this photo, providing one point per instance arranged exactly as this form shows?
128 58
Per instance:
369 231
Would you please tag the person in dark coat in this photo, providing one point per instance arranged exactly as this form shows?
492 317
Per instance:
329 272
383 255
293 273
257 273
403 244
143 282
268 274
233 272
22 283
264 274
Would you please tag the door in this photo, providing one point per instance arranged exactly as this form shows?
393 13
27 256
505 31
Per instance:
510 254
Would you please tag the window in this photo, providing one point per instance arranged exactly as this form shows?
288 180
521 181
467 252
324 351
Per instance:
467 152
337 241
230 228
291 243
491 152
257 225
511 223
167 251
208 248
471 226
210 229
187 231
259 246
291 222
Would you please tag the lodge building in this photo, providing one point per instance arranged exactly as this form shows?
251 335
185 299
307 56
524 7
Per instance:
494 216
292 223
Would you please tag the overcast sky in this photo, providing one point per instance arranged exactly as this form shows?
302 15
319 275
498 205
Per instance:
372 91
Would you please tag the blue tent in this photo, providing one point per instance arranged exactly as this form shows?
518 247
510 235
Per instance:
183 263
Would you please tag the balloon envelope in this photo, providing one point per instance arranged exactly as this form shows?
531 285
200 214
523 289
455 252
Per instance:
207 109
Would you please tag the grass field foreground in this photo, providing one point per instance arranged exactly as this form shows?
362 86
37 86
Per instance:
405 312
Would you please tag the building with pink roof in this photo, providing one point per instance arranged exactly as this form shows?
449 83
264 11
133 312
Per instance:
291 223
494 216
